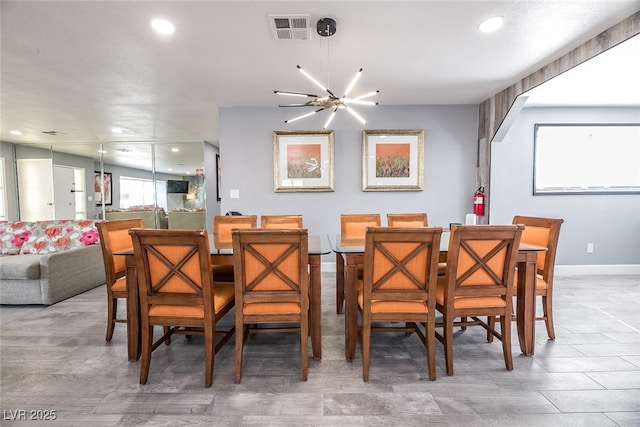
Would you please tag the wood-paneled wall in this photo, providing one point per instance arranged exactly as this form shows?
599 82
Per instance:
493 111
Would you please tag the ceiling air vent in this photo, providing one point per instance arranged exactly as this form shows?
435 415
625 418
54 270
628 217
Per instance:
290 27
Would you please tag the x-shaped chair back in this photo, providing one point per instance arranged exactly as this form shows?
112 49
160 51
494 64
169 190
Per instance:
399 262
174 268
481 260
271 265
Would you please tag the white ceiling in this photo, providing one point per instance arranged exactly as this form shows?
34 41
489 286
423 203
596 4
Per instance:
83 67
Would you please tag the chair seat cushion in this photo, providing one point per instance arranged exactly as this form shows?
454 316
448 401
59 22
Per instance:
378 306
540 282
161 310
271 308
223 294
120 285
468 302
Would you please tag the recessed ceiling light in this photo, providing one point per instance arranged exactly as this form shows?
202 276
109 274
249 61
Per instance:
117 130
15 132
163 26
492 24
175 150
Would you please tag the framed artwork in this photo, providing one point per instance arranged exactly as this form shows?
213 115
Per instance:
302 161
392 160
218 192
99 191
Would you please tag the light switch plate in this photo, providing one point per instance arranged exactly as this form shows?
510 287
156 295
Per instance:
234 194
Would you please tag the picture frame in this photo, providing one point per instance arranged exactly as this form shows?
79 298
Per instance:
98 190
393 160
218 176
303 161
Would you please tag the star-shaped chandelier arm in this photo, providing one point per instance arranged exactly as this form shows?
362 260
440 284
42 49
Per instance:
304 115
314 80
355 114
353 83
304 95
331 116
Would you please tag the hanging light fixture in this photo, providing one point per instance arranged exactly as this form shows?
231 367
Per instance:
326 27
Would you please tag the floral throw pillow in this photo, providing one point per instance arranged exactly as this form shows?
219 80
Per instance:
13 236
56 237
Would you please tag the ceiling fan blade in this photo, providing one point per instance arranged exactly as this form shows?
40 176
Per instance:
283 92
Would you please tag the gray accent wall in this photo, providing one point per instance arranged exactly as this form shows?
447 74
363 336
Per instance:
450 153
610 222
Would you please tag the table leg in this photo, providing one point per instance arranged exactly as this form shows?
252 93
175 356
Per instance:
133 311
526 302
351 304
315 306
339 283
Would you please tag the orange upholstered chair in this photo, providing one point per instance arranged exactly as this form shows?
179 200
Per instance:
114 237
177 292
543 232
223 224
353 227
281 221
272 286
400 273
407 219
481 262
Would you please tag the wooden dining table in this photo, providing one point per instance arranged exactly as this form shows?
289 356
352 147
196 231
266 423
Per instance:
350 254
222 254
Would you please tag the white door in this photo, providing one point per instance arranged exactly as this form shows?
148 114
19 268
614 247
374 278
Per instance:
64 192
35 189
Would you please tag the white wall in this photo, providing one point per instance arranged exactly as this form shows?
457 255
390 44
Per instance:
611 222
246 152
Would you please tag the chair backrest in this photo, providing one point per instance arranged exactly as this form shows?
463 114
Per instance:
223 224
407 219
114 237
481 261
542 232
354 226
174 269
281 221
272 267
401 264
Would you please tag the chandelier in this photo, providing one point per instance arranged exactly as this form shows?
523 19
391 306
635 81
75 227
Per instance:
326 27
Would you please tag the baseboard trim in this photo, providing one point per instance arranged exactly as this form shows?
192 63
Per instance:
561 270
582 270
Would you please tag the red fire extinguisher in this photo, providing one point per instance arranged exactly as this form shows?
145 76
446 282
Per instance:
478 202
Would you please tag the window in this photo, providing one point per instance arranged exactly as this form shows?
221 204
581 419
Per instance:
586 159
139 191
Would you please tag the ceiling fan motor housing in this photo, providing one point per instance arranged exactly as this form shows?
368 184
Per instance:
326 27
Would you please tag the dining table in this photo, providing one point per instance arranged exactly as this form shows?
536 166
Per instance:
350 254
222 254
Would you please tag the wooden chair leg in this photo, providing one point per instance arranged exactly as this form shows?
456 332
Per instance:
147 343
304 346
547 309
366 347
491 321
112 308
240 337
209 352
505 326
339 284
448 343
431 349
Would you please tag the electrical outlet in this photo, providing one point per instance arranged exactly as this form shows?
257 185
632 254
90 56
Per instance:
589 248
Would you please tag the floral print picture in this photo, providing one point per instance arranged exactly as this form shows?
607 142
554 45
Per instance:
392 160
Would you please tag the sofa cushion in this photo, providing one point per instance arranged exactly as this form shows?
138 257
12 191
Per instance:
20 267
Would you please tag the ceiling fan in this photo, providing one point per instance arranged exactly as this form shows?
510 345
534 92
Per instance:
326 27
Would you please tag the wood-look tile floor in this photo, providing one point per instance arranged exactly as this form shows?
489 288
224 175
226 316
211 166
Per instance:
55 359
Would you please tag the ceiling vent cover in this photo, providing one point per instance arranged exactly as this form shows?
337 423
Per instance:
290 27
